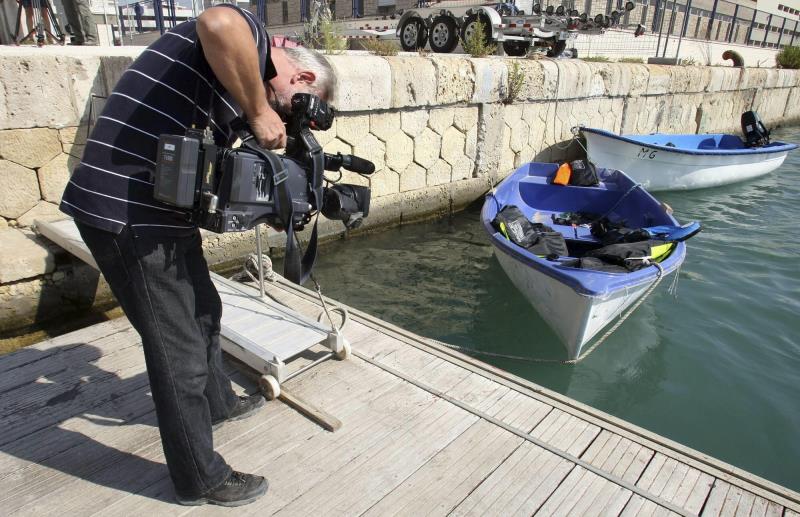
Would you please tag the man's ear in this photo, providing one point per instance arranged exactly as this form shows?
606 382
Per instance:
304 76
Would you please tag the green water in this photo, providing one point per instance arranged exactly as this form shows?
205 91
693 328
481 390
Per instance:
716 368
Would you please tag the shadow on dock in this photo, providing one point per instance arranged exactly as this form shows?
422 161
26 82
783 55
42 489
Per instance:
67 412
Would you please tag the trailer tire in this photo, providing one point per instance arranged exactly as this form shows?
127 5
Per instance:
443 34
516 48
469 26
413 34
557 48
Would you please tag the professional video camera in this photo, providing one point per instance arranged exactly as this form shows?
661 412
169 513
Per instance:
233 190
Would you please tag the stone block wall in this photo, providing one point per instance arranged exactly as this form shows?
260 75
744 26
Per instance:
439 129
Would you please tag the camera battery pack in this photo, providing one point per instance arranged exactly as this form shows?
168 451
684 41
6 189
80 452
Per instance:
176 170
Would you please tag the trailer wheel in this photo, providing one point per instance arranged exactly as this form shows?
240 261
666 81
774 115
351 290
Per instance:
469 28
443 35
516 48
413 34
557 48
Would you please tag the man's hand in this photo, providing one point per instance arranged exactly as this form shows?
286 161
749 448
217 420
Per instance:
268 129
231 52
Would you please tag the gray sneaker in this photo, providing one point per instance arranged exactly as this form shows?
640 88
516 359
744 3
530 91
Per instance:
239 489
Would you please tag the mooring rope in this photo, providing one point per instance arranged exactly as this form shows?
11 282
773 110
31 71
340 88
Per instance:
251 262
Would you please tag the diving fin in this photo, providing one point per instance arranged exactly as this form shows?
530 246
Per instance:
674 233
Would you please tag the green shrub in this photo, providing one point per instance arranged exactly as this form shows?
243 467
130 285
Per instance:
380 47
597 59
688 61
789 57
322 33
630 60
516 79
476 45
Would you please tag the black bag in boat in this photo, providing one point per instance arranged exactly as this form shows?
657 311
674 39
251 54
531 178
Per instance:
613 233
512 223
584 174
596 264
538 238
549 243
625 254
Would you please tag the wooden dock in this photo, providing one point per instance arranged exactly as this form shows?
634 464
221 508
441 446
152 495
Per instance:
425 431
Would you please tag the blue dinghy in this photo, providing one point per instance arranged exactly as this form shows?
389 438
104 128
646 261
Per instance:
664 161
577 302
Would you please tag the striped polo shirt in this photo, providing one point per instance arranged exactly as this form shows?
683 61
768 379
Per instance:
112 186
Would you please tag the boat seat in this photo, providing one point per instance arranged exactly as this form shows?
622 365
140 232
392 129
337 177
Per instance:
708 143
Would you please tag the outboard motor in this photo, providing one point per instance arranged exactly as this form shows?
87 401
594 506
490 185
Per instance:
755 133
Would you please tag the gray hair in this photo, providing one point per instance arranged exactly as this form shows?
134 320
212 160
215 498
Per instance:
307 59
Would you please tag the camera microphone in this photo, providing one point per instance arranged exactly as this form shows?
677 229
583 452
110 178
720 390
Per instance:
334 162
356 164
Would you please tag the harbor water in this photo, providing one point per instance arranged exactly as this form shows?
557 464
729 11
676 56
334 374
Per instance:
715 367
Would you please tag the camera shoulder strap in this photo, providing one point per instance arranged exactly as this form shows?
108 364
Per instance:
203 64
295 268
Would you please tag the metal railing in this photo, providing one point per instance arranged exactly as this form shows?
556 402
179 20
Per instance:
150 16
710 20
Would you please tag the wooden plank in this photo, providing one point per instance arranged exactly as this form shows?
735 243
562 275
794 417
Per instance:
731 501
670 490
64 233
379 470
377 345
676 483
566 432
698 493
716 498
522 412
609 499
641 507
439 485
618 455
519 486
318 416
571 489
511 407
477 391
745 505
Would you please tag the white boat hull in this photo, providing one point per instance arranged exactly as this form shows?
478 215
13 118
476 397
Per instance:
659 169
574 317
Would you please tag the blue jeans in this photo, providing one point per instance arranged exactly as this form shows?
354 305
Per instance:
164 287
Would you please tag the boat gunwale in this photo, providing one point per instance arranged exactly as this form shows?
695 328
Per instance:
783 147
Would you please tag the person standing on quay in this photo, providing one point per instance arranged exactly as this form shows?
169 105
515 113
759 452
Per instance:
81 20
208 72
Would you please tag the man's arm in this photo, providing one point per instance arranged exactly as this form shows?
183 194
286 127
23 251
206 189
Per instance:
231 52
